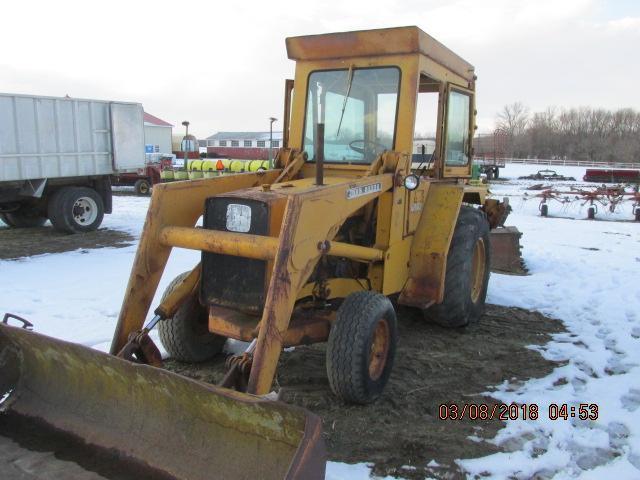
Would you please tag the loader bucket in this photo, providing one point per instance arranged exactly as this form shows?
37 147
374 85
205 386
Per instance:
505 251
165 424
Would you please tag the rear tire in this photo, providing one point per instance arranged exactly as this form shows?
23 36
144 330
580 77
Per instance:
186 336
142 186
23 218
361 347
467 275
496 173
544 210
76 210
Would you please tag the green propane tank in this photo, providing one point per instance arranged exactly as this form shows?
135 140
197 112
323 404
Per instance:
475 171
181 175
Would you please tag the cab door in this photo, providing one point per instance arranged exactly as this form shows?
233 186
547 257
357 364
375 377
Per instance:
456 151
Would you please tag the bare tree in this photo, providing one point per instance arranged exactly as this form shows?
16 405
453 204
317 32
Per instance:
583 133
513 119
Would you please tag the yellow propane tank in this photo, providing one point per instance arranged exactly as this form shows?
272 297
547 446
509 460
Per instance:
208 166
254 165
237 166
194 165
166 175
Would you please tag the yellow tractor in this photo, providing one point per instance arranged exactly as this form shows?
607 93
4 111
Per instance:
317 249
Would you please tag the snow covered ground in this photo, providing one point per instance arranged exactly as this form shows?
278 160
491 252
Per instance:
585 273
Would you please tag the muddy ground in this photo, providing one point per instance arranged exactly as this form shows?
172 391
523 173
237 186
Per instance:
401 433
26 242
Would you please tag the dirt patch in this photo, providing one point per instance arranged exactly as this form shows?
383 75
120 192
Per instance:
401 433
25 242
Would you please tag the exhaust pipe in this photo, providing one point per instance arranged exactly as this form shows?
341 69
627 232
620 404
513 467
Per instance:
319 154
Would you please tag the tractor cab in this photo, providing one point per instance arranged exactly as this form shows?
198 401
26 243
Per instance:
374 91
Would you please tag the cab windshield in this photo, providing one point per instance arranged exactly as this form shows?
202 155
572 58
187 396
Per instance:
358 109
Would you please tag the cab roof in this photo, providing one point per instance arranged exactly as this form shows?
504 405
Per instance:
375 43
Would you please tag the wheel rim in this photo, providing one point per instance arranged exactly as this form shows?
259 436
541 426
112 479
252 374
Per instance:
478 267
85 211
379 349
144 188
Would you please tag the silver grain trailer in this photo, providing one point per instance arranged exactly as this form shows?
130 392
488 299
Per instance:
57 156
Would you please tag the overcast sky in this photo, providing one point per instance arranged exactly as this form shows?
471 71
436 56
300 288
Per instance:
222 65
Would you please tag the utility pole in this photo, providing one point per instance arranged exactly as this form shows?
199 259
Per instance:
185 146
271 120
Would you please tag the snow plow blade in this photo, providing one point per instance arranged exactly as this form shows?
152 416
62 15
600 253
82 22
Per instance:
164 424
506 256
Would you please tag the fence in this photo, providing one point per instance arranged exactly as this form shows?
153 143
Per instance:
570 163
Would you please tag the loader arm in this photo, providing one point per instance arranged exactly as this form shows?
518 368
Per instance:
177 204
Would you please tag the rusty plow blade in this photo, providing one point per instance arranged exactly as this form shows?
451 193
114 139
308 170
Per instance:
506 256
165 424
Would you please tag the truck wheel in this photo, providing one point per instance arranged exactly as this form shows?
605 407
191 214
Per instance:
467 275
186 336
489 173
361 347
76 210
142 187
23 218
496 172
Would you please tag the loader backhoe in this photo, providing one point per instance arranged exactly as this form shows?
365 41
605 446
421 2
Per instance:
318 249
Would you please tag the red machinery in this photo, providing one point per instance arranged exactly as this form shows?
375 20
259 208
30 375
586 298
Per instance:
612 176
609 197
144 178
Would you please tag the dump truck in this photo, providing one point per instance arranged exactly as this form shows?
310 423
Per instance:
57 155
319 248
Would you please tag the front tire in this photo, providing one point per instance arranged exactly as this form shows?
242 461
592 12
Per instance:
76 210
186 335
467 274
361 347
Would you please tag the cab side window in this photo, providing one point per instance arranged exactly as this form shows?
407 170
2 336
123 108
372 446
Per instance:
457 132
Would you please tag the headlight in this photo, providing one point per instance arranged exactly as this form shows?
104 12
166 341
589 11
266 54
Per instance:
411 182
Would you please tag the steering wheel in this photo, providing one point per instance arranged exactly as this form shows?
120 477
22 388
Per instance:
365 143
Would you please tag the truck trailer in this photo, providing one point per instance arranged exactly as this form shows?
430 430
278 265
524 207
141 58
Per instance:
57 156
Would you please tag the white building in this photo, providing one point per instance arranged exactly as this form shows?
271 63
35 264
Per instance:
157 135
